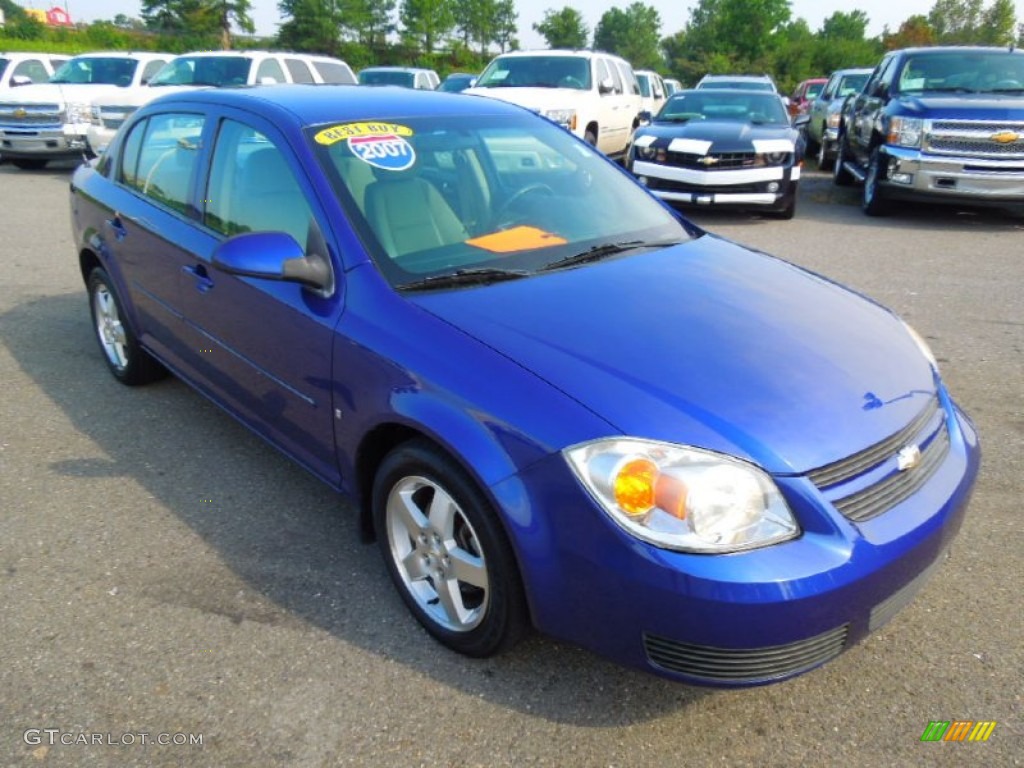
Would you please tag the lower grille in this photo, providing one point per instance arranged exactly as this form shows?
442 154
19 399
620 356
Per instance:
744 665
902 597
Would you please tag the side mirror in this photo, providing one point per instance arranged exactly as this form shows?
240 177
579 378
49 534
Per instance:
606 86
272 256
801 120
644 118
17 80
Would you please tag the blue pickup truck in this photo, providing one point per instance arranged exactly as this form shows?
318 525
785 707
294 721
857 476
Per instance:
944 124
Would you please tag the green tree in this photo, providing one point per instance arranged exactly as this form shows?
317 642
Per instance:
426 22
476 21
310 25
845 26
563 29
956 21
999 23
634 34
505 25
368 22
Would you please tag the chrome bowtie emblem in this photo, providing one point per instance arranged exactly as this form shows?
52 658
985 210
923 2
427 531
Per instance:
1005 137
20 113
908 458
708 160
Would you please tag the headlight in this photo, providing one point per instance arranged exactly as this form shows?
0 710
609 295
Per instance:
94 116
922 345
646 153
905 131
683 498
774 158
833 119
564 117
79 113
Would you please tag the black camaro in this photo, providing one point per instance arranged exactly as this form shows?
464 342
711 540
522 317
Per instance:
721 147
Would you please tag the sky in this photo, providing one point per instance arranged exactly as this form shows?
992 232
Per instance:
674 13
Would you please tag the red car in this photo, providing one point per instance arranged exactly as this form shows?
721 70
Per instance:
804 94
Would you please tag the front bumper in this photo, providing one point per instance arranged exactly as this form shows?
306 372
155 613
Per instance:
99 138
911 173
741 619
49 142
770 186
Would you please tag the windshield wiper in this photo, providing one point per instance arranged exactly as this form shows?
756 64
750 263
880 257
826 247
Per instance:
598 252
1004 90
481 276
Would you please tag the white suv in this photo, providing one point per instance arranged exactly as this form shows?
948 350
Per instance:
48 121
212 69
594 95
22 68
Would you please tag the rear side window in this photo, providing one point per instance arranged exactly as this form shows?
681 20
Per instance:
161 158
268 70
629 83
616 77
333 72
299 71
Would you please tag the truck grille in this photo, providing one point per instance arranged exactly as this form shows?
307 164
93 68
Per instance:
17 115
974 138
114 117
927 431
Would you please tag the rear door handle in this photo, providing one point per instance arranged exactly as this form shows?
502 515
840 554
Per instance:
200 275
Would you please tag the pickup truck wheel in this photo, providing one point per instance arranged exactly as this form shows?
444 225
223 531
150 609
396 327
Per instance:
824 161
873 201
840 176
28 163
590 137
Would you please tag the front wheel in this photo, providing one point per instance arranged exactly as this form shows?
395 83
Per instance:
873 200
28 163
824 159
841 177
446 551
127 360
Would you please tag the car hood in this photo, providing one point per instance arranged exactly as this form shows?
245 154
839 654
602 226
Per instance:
59 93
964 106
136 97
724 135
537 99
708 344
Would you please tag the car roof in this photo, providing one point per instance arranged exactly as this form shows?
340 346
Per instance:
726 91
961 49
394 69
558 52
316 104
119 55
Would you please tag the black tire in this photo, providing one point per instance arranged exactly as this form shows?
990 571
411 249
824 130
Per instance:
28 163
788 211
126 359
824 161
481 611
840 176
873 200
590 137
810 143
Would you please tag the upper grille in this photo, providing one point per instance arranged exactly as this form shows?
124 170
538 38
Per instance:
715 161
30 114
744 665
974 138
927 431
114 117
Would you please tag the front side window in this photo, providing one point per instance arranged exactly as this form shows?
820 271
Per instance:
161 158
432 196
252 188
151 69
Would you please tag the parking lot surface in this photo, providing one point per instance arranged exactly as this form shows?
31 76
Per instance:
164 573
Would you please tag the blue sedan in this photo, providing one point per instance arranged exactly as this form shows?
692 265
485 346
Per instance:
555 401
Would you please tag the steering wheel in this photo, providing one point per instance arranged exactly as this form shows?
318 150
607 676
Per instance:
501 216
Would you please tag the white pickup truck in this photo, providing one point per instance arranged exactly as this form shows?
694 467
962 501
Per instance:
48 121
594 95
212 69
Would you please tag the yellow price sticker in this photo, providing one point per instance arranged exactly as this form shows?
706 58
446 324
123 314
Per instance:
336 133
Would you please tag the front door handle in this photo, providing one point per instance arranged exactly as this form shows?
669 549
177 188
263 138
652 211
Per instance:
115 223
200 275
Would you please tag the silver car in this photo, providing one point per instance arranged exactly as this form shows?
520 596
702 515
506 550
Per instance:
823 126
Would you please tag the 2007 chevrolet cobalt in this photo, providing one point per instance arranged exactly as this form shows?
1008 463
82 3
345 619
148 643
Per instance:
557 402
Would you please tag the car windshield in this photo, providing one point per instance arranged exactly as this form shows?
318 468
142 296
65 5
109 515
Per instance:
387 77
457 83
537 72
97 70
439 200
3 66
813 90
731 106
851 84
998 71
217 71
739 85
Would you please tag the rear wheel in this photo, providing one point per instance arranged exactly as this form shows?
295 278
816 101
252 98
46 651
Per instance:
824 161
127 360
446 551
873 198
590 136
840 176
